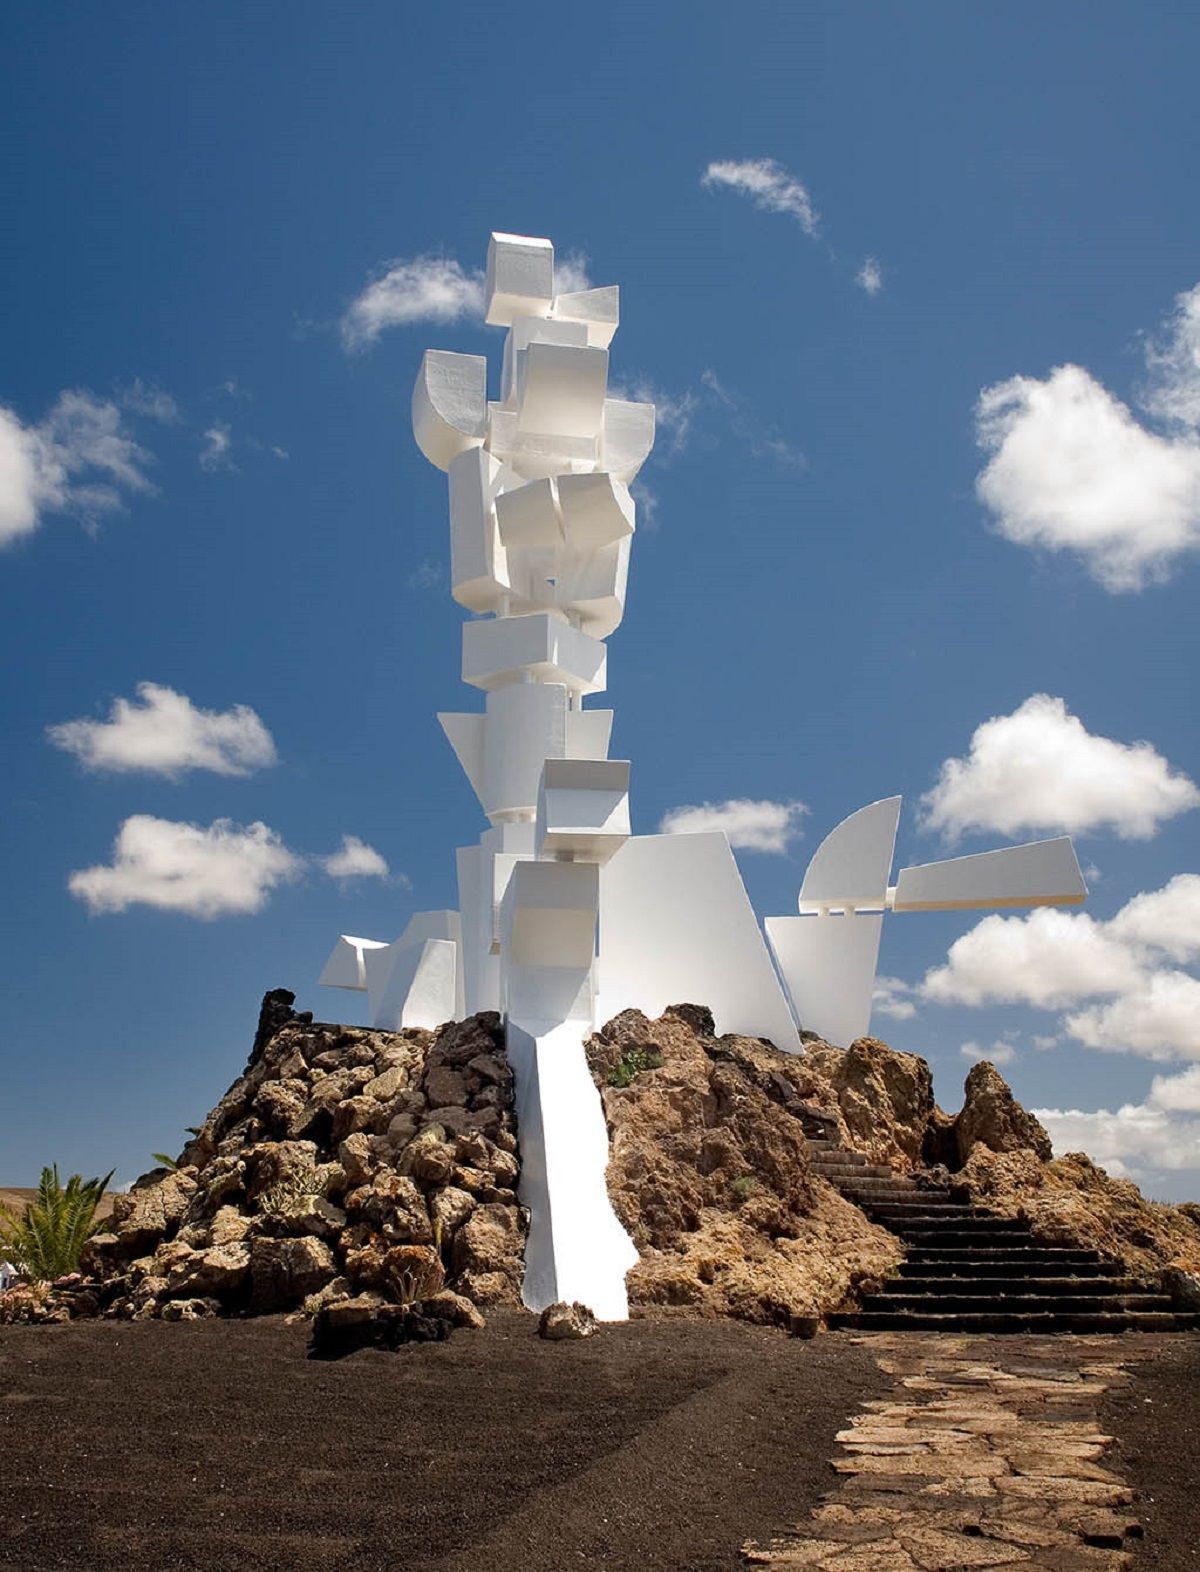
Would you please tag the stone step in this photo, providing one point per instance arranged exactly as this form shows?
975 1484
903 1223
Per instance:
1016 1304
910 1211
1125 1321
975 1262
882 1189
838 1173
1014 1283
957 1237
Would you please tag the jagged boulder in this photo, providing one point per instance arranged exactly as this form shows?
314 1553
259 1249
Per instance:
709 1172
883 1099
991 1116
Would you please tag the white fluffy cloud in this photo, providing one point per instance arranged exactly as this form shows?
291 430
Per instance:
162 732
354 859
870 276
1072 469
433 289
202 871
80 459
753 826
1161 1133
1048 959
893 997
998 1052
1055 960
768 185
1041 769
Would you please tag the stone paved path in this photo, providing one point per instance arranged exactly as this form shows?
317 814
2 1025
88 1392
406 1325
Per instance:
987 1452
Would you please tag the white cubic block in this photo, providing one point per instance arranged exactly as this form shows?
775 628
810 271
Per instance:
588 733
520 278
583 809
549 914
345 967
528 515
1040 873
597 510
828 967
479 573
498 652
534 330
676 925
599 310
480 966
560 390
626 438
449 405
592 588
533 456
526 725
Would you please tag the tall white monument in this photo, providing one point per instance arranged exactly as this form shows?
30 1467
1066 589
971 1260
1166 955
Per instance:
564 917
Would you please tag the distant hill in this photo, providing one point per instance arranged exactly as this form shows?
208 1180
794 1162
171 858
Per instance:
19 1198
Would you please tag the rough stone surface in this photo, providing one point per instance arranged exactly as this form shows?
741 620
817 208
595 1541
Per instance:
321 1173
561 1322
883 1099
991 1116
709 1172
975 1459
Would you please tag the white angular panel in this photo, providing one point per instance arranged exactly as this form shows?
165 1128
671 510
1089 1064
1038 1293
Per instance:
560 390
598 309
498 652
627 437
345 967
532 330
676 927
592 588
828 967
449 405
479 573
520 278
413 985
583 809
550 914
532 456
466 734
528 515
597 510
852 864
577 1249
1040 873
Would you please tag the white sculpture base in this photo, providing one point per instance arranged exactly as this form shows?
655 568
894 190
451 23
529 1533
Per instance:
577 1249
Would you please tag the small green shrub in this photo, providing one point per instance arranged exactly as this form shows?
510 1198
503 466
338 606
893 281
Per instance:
632 1063
45 1241
743 1187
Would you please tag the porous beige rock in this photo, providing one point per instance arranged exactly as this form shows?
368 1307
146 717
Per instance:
561 1322
991 1116
883 1099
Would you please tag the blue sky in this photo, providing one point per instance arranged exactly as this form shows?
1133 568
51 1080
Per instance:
877 519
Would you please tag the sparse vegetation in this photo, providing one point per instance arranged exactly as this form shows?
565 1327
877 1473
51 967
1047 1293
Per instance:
743 1187
631 1065
45 1241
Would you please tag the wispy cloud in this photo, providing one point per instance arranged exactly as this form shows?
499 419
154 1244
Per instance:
80 459
893 997
433 289
768 185
751 825
1072 469
354 859
215 454
1000 1052
870 276
1041 769
427 575
161 732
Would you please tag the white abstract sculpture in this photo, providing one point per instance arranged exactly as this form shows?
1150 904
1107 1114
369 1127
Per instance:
564 917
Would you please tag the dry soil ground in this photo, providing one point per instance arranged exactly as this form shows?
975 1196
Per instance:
215 1446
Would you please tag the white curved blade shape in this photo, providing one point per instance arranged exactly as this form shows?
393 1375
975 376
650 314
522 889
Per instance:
1040 873
346 967
852 864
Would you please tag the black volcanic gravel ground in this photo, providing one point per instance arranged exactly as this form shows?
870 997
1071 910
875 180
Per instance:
658 1446
1156 1423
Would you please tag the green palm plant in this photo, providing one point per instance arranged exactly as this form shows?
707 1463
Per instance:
46 1240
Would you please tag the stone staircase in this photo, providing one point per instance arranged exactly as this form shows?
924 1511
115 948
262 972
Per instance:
968 1270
